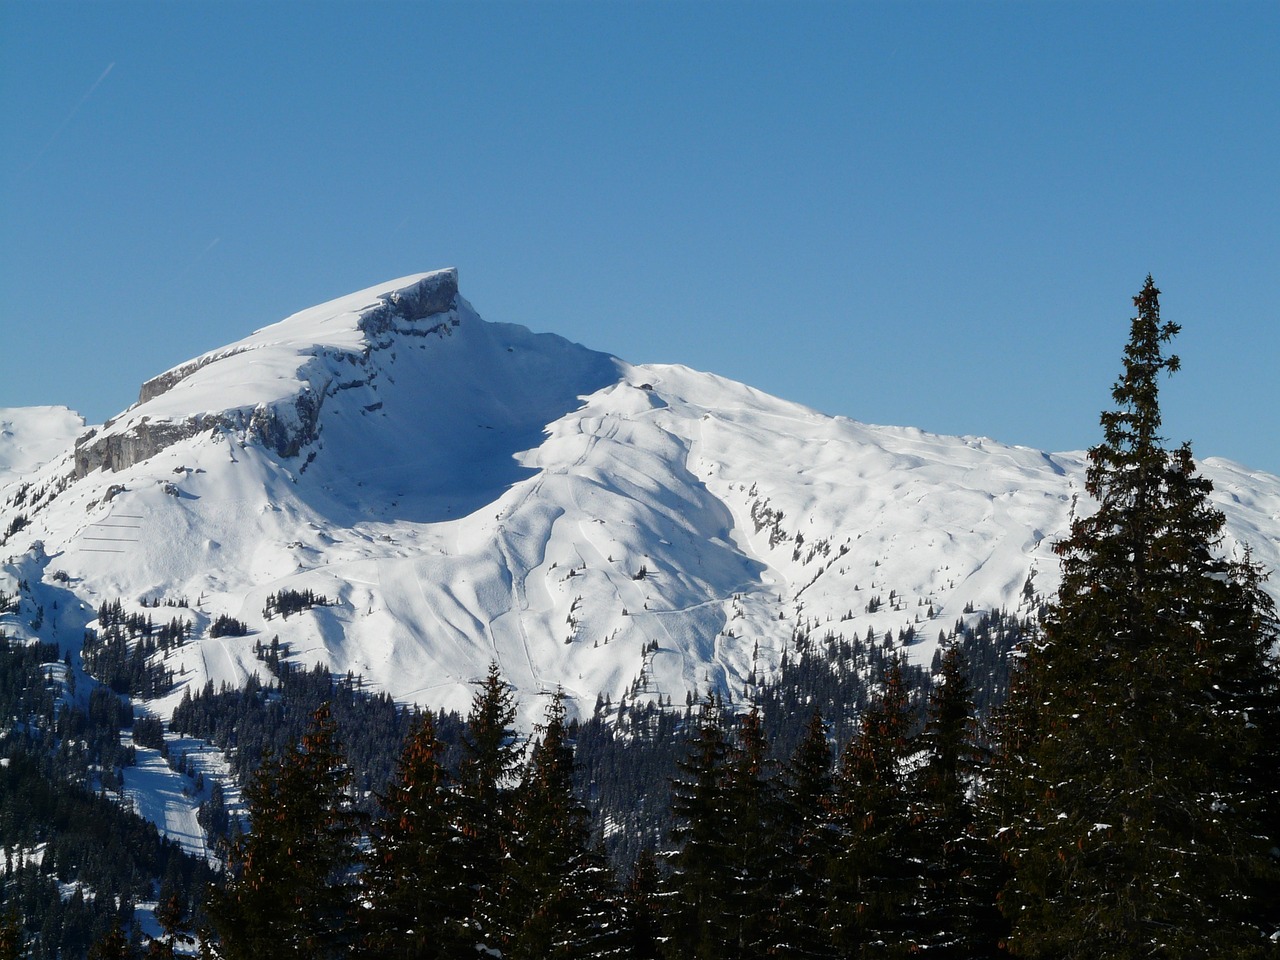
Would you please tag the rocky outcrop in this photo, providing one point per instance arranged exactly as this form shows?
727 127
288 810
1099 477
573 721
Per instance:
285 426
429 297
119 451
162 384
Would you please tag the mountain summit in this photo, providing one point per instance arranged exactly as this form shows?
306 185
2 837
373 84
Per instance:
448 491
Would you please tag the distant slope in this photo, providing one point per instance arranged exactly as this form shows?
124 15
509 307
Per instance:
465 491
32 436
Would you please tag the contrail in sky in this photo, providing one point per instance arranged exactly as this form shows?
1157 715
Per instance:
62 126
199 256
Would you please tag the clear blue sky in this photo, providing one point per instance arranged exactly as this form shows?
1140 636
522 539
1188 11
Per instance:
930 214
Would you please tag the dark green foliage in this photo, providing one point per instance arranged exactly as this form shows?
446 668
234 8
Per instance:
641 909
828 674
989 647
727 869
271 654
287 602
115 944
488 770
870 871
125 665
254 720
13 941
292 886
173 913
623 766
148 732
1130 782
800 929
627 755
558 896
959 872
548 841
695 893
112 619
87 839
754 854
227 626
18 522
415 909
213 816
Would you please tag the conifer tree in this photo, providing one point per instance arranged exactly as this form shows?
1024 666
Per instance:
550 825
801 930
12 938
171 914
114 944
491 754
954 913
414 908
752 849
1130 777
291 890
870 871
642 912
696 890
558 895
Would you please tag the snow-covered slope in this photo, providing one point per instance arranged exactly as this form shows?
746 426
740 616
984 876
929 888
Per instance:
466 491
32 436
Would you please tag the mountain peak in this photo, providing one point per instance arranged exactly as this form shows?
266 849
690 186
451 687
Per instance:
273 382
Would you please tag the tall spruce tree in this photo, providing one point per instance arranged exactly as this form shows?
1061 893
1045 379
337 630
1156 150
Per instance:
727 877
801 930
559 895
1130 779
870 871
954 914
491 752
753 851
414 909
696 890
641 910
114 944
12 938
292 885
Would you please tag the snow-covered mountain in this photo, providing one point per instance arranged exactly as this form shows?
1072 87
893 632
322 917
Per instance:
464 491
32 436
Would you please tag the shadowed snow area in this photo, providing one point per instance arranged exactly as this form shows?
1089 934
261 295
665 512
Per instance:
436 434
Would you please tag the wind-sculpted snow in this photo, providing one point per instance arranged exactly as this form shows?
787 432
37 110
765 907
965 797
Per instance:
462 491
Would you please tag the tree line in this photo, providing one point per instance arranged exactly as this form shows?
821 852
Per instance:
73 862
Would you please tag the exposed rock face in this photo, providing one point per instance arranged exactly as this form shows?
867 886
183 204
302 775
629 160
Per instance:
429 297
118 451
285 426
162 384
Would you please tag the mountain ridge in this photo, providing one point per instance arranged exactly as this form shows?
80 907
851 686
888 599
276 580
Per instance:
464 491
